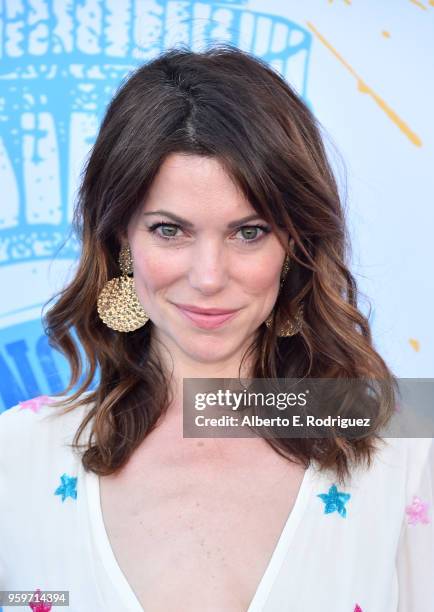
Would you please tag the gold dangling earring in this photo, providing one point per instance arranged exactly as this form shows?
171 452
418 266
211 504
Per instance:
289 328
118 305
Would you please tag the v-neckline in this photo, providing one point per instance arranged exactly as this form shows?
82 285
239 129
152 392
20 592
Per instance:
123 587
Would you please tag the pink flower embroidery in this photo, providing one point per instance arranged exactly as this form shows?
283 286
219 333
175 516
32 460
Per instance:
36 402
357 608
417 511
39 606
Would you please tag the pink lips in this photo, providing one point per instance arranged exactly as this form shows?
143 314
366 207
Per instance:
207 318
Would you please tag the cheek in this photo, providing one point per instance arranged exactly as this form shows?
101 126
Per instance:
152 271
262 277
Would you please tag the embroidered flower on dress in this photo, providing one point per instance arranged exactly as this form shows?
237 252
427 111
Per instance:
35 403
417 511
357 608
67 488
39 606
335 500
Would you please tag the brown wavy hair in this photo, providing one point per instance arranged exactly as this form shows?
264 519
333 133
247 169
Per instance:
225 104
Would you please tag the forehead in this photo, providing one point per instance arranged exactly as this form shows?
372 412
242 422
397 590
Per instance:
193 184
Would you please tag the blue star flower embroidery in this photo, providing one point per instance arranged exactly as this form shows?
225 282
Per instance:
335 500
67 488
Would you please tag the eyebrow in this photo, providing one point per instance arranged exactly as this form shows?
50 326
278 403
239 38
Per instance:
191 225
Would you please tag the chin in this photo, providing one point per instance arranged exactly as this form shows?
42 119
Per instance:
208 349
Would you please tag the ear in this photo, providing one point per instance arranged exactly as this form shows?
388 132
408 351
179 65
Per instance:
122 238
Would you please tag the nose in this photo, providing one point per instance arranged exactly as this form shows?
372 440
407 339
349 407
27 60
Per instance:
208 268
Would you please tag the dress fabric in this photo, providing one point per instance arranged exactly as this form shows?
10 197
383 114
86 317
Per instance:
366 547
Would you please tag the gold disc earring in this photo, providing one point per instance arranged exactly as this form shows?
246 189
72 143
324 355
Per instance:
292 327
118 305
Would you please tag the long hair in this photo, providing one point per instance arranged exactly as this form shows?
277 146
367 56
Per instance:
225 104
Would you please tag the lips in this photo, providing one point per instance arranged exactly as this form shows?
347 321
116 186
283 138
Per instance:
210 318
206 311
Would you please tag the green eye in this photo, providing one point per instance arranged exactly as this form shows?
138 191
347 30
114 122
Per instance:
165 230
168 230
249 233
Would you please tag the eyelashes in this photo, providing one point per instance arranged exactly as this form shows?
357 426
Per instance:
264 229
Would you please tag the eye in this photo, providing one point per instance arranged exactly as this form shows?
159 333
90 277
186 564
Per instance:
167 235
250 232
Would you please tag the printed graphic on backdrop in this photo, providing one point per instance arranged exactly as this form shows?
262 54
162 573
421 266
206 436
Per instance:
60 65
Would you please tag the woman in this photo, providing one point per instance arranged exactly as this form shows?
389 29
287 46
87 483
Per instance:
213 246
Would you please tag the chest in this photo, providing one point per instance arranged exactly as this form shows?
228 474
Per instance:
194 536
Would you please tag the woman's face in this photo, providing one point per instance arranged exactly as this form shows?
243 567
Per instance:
191 245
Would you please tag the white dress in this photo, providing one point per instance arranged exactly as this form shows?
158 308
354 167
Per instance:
366 548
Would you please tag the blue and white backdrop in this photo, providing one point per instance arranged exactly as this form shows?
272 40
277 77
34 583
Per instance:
364 67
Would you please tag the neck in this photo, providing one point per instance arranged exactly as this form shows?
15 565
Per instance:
180 366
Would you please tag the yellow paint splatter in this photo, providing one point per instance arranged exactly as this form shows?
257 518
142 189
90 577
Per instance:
364 88
419 4
431 2
387 34
347 2
415 344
